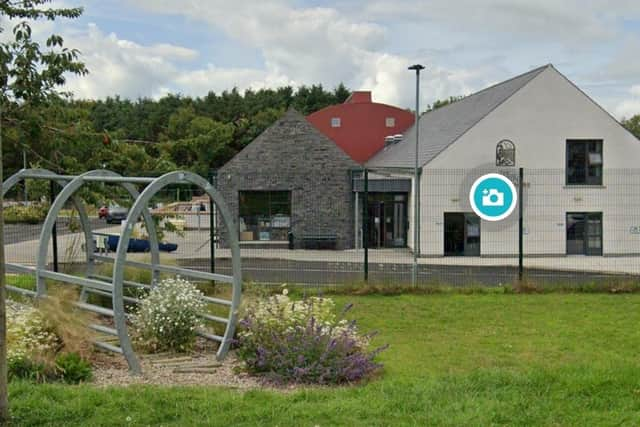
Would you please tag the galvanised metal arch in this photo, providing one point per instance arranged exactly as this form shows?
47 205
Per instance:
93 283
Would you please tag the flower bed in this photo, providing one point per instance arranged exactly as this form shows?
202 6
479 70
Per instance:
36 348
304 342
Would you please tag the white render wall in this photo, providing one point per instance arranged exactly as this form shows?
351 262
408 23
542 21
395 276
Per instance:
538 119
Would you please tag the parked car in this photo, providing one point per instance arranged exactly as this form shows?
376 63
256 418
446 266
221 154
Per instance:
102 212
116 214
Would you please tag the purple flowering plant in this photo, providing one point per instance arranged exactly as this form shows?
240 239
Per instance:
305 342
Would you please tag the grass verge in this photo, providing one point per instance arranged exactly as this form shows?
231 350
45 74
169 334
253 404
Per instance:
478 359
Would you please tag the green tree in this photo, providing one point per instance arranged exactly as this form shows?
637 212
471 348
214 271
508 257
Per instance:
633 125
439 103
67 135
198 143
29 76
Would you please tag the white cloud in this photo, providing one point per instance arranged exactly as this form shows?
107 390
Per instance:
567 21
367 44
630 107
217 79
306 46
123 67
625 63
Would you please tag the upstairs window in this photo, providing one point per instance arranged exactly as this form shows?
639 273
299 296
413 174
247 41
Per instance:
390 122
584 162
335 122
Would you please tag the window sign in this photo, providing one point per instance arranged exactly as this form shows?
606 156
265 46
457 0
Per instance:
505 153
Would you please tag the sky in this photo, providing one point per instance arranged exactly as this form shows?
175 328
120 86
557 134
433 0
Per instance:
148 48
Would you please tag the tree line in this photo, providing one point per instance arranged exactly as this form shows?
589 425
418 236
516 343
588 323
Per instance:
153 136
149 136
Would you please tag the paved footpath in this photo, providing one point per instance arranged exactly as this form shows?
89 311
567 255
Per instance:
193 246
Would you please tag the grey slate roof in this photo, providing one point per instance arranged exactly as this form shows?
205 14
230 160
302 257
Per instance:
442 127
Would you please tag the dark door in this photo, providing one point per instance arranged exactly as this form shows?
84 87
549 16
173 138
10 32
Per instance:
461 234
387 220
376 223
584 233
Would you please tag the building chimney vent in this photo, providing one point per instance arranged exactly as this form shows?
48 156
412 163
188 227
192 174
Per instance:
359 97
388 140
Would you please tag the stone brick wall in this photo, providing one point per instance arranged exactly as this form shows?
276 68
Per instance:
292 155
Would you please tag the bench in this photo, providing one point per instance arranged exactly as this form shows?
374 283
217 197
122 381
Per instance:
319 240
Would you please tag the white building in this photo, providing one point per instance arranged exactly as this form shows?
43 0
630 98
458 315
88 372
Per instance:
581 186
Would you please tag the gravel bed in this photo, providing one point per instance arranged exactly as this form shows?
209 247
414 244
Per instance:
14 306
112 373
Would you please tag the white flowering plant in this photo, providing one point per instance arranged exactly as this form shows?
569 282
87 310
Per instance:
168 317
279 312
43 344
29 334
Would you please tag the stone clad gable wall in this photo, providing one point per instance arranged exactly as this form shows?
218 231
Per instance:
292 155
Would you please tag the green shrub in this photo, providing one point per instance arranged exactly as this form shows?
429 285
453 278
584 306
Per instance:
73 369
34 213
24 368
167 318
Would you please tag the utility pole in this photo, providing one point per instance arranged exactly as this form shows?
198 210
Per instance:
416 181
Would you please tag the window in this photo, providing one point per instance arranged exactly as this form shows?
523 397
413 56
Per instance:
335 122
265 215
390 122
505 153
584 233
584 162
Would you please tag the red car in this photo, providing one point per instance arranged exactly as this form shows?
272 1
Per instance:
103 212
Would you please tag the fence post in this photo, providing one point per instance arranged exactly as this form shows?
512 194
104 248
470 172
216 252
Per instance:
212 227
54 232
365 225
520 225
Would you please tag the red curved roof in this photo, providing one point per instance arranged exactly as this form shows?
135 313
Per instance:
363 124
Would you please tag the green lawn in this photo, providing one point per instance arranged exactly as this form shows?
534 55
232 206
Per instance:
553 359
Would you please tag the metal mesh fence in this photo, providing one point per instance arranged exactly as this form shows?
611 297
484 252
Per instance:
312 231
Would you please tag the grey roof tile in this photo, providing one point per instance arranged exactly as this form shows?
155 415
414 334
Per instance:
441 127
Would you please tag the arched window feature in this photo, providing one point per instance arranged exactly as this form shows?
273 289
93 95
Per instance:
505 153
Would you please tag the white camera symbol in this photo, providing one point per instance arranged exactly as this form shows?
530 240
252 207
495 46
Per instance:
492 197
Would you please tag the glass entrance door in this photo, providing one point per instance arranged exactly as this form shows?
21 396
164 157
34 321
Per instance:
461 234
387 220
584 233
399 224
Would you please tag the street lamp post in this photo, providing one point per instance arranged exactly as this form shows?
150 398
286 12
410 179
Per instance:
416 185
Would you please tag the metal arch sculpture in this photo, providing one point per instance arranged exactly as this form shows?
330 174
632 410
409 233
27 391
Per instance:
99 284
23 174
121 253
68 191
